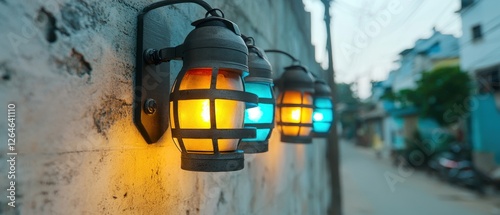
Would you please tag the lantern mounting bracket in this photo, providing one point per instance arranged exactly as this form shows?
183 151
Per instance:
294 59
153 56
152 78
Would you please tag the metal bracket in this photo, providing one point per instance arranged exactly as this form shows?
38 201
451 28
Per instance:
152 82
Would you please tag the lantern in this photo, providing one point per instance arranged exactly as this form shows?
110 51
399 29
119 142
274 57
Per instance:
295 105
206 104
323 109
261 117
208 99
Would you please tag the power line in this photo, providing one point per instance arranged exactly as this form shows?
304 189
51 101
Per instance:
449 24
413 12
469 42
480 60
442 12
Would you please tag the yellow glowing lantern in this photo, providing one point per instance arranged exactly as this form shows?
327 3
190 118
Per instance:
206 105
208 99
295 105
196 113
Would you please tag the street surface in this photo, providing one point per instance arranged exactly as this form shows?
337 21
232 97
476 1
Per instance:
366 191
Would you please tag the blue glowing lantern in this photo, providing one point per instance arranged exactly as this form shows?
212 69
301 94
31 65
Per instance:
259 82
323 109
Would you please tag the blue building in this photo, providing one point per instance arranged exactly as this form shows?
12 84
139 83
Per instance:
480 57
403 121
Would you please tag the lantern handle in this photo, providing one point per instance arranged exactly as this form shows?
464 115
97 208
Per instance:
248 40
153 56
211 12
314 75
295 61
164 3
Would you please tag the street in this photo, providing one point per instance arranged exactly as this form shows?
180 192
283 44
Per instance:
371 186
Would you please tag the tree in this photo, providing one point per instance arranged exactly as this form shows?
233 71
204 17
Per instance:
345 94
438 91
349 116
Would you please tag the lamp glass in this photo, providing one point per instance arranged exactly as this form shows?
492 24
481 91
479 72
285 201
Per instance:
295 113
323 115
263 113
196 113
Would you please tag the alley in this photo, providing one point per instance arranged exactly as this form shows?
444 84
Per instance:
366 191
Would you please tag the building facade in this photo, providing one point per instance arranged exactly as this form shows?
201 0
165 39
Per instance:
402 121
480 57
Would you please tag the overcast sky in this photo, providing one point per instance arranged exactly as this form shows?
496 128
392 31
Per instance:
369 34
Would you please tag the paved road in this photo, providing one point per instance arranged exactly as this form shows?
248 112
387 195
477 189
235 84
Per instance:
367 191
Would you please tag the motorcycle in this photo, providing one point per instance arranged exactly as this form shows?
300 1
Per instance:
456 167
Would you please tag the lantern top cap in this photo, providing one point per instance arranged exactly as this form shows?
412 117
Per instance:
321 88
215 42
258 64
296 77
217 21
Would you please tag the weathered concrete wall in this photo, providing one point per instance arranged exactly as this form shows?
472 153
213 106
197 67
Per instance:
68 67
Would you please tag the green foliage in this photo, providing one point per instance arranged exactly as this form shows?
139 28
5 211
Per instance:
440 90
437 92
405 97
389 95
345 94
348 118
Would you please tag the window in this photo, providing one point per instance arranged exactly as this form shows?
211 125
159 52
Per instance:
466 3
495 79
436 48
477 32
489 80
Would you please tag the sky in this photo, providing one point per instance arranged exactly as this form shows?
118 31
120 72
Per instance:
368 35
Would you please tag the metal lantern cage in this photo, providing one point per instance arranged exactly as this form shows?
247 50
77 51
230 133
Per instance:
294 107
323 109
261 117
206 104
208 98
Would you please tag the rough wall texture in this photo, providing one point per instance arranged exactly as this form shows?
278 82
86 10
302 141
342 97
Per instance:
68 67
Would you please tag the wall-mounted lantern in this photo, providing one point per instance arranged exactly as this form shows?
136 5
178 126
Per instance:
323 109
208 99
259 82
294 106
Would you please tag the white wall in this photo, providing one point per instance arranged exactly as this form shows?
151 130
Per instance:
486 52
79 151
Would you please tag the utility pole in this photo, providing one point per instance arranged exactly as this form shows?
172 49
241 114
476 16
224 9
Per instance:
333 143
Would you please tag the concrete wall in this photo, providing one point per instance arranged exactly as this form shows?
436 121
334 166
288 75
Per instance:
68 67
482 53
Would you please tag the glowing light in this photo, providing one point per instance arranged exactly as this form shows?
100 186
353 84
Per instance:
254 114
205 113
296 115
197 113
318 116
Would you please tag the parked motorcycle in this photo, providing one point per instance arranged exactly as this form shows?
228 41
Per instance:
455 166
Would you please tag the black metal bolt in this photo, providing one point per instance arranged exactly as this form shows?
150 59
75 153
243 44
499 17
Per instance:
150 106
152 56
